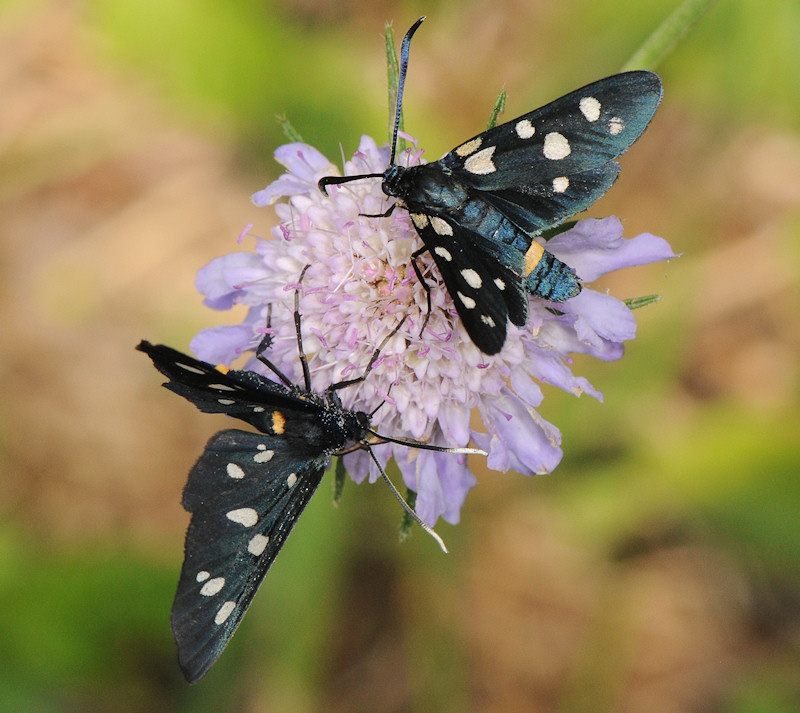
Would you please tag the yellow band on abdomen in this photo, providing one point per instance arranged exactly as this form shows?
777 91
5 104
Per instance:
532 257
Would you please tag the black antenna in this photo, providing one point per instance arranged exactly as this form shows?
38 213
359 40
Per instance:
412 513
335 180
402 82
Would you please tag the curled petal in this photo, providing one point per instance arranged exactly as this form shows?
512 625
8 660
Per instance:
560 335
549 367
357 465
441 481
595 247
223 344
519 438
598 316
454 422
306 166
370 158
524 387
228 280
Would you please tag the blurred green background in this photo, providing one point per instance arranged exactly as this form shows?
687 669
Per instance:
658 569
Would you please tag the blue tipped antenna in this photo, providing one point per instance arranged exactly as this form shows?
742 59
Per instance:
335 180
402 82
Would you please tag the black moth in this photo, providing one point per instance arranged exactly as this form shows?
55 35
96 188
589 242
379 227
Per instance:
478 208
247 489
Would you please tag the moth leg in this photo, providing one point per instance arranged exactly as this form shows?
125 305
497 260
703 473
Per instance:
265 344
375 410
266 341
303 360
385 214
349 382
425 285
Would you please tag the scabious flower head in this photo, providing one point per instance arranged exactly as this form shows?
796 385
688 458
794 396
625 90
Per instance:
358 287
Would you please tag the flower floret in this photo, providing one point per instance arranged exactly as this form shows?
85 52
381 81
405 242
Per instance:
360 285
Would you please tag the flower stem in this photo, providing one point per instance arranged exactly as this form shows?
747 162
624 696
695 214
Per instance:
666 35
393 79
288 130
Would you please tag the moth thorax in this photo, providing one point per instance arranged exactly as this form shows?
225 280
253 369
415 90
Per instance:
339 420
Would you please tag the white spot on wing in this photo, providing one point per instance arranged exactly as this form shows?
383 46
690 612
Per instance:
590 108
226 402
212 586
486 319
560 184
481 162
442 227
221 387
615 126
234 471
291 480
468 302
556 146
257 544
443 253
224 612
244 516
263 455
469 147
202 575
500 284
525 129
420 220
192 369
472 278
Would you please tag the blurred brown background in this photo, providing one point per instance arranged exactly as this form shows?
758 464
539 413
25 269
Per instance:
658 569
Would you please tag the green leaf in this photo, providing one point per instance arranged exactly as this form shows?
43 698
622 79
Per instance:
499 108
340 475
408 521
637 302
288 130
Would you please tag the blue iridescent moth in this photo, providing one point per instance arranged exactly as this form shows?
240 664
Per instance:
480 207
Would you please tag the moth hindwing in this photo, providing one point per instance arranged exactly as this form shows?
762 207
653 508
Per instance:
496 192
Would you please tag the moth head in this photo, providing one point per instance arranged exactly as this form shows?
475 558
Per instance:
396 181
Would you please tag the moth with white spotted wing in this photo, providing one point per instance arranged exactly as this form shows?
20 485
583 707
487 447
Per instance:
247 490
479 207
